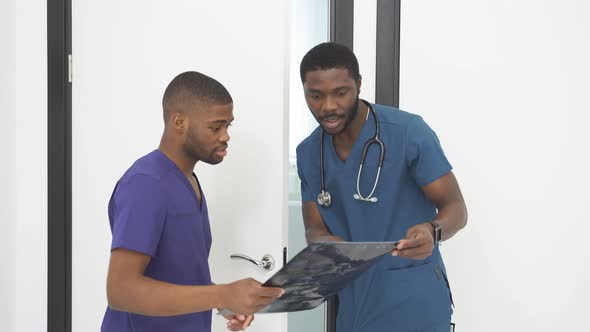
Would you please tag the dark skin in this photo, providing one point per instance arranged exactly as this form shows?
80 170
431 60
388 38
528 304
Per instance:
193 132
331 95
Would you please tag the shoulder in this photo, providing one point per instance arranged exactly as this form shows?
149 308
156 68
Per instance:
310 143
152 167
393 116
409 125
146 178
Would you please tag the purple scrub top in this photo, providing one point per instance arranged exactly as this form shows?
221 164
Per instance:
154 210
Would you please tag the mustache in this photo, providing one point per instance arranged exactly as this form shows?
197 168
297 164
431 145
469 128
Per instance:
331 117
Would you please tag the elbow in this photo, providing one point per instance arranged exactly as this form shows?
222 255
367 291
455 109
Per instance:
114 299
465 216
120 294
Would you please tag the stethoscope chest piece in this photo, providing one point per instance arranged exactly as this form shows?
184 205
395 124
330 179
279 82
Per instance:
324 198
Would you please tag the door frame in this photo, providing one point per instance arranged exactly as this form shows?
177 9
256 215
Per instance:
59 166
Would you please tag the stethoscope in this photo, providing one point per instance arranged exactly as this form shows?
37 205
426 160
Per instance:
324 197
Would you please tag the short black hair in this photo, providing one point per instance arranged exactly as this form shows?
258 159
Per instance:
329 56
194 86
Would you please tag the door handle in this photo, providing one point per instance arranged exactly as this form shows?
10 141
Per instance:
267 262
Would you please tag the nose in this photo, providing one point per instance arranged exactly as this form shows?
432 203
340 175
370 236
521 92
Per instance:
329 105
224 136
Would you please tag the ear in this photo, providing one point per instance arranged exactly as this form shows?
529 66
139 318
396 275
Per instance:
179 122
359 82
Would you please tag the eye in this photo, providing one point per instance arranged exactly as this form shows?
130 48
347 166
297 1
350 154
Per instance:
215 129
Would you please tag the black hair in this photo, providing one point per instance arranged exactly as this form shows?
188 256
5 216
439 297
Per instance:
328 56
194 86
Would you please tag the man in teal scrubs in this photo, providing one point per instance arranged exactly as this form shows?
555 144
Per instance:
417 198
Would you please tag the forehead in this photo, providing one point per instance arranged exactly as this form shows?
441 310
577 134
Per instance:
328 78
211 112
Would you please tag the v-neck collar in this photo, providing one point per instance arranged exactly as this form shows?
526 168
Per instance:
357 147
199 203
187 184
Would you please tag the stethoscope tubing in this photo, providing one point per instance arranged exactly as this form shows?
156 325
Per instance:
324 198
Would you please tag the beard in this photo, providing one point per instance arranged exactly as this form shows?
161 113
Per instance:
351 113
348 116
195 151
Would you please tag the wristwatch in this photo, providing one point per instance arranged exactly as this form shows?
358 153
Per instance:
436 232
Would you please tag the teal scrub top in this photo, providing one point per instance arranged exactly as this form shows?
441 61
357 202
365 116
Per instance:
397 294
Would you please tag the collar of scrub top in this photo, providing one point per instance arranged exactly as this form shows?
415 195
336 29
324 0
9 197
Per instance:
324 198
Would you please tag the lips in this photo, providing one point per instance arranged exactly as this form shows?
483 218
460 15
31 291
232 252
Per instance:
221 152
331 122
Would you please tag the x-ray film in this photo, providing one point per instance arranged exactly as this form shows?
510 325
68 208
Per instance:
321 270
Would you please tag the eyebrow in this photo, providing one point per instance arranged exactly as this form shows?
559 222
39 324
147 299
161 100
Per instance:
335 89
221 121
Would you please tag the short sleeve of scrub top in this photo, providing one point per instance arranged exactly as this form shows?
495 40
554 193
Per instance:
424 154
306 193
138 213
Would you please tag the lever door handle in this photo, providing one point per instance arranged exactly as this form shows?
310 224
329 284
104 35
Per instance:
267 262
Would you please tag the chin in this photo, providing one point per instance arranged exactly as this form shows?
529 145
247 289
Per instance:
213 161
333 131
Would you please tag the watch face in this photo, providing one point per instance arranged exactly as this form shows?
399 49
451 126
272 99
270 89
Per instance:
437 234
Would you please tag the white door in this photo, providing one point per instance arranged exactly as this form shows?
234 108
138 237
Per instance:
124 55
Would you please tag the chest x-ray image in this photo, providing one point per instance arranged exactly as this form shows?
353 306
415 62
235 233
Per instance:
321 270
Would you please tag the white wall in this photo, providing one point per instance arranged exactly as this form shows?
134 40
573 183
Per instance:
505 85
7 165
364 45
31 165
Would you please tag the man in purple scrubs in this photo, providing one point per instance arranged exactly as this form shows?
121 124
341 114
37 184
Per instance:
158 277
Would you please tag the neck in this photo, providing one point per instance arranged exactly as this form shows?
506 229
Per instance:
174 152
349 135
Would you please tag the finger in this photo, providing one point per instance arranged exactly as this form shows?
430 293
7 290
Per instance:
233 327
272 292
416 253
414 230
419 240
408 243
236 323
247 322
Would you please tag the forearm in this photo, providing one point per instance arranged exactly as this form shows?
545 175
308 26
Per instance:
315 229
313 235
150 297
452 218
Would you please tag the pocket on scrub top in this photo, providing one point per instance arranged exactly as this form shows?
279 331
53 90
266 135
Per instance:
442 275
405 299
423 285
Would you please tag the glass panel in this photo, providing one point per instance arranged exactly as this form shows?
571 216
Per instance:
309 27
